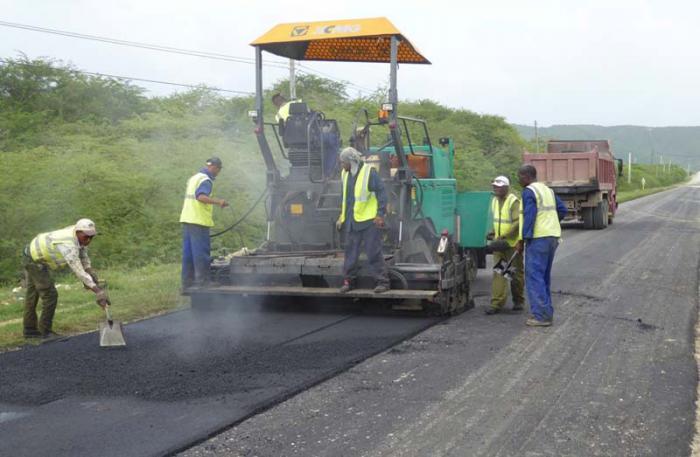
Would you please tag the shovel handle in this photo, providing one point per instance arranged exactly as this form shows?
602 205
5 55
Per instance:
109 315
510 261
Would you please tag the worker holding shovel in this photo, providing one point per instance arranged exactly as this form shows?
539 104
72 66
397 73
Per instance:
506 212
52 251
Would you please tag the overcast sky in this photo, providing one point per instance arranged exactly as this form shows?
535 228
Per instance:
602 62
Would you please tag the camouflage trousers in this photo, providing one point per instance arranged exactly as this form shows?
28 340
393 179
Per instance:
499 287
39 284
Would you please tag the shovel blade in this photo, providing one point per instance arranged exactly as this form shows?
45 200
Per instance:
111 335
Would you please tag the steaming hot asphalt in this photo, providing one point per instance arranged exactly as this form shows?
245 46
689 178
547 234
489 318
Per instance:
182 377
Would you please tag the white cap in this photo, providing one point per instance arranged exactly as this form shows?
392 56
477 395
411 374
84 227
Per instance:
501 181
86 226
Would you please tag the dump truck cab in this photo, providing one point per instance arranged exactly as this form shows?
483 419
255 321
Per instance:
432 232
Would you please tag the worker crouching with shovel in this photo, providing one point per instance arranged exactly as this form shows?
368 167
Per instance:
53 251
505 207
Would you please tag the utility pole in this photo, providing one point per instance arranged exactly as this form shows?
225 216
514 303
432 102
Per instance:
629 167
653 152
537 138
292 80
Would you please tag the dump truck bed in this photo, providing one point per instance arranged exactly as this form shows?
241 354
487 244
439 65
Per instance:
575 166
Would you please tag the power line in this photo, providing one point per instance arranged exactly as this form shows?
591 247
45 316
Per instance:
192 86
137 44
174 50
326 75
131 78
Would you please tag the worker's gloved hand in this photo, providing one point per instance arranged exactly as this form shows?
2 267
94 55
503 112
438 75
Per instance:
223 203
338 225
102 298
379 221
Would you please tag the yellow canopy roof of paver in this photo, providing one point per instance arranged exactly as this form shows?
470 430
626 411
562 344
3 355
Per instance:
347 40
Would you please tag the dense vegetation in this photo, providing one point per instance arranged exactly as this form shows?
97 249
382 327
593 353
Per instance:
647 144
73 145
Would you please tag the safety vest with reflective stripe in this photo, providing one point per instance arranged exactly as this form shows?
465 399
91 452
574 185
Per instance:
283 111
366 204
547 221
44 247
194 211
502 220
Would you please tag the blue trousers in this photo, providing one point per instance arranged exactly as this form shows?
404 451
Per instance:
196 251
539 256
372 239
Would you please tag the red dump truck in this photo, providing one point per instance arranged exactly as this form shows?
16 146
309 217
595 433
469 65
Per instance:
583 174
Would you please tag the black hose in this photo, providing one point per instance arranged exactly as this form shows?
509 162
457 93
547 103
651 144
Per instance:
419 209
247 213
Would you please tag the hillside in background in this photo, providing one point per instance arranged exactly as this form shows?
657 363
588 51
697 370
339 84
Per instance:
647 144
74 145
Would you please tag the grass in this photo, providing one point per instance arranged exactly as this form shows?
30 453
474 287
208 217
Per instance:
656 180
135 294
639 193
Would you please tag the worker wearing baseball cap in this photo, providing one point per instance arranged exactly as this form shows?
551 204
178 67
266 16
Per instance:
52 251
196 218
505 207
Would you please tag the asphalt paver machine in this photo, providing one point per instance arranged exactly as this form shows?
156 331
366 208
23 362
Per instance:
434 235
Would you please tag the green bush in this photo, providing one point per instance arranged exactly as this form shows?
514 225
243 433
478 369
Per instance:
75 146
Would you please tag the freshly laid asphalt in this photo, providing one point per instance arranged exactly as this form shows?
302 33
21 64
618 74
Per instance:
181 377
614 376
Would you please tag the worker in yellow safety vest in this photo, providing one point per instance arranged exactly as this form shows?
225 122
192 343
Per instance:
197 218
540 233
282 104
362 214
49 251
505 208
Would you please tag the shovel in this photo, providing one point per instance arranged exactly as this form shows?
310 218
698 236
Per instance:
111 332
506 269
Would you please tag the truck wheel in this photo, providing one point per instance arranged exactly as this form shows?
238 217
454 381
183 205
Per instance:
587 216
605 213
599 215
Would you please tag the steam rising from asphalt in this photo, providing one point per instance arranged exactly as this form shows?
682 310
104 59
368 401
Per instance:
219 326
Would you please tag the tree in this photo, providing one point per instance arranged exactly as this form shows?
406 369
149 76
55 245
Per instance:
60 91
319 93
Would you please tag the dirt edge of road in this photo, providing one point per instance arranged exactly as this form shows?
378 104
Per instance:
695 445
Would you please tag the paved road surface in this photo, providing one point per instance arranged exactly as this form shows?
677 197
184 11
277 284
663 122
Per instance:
181 378
614 376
